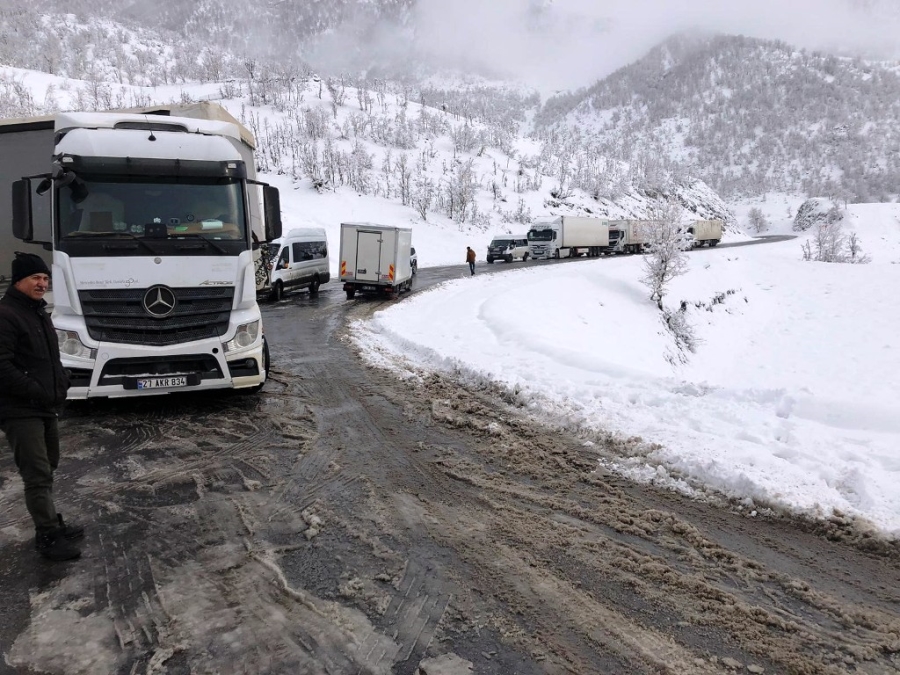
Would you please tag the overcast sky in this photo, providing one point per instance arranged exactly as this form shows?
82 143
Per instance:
556 44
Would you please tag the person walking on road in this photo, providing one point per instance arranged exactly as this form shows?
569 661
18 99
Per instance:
470 258
34 387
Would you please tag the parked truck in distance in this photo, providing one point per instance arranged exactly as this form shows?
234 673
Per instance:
708 232
375 259
567 237
152 220
629 236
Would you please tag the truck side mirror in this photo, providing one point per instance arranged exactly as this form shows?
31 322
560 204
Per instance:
272 208
22 223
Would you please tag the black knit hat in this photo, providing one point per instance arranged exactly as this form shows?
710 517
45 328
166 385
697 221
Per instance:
26 264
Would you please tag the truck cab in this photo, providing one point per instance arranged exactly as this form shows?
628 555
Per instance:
152 236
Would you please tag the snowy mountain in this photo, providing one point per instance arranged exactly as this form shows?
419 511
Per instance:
748 116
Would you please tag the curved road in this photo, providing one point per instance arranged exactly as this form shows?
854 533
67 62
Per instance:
345 521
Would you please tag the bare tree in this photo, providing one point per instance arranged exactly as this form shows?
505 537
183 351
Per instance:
666 247
758 220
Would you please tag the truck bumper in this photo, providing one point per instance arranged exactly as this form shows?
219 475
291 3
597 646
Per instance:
137 370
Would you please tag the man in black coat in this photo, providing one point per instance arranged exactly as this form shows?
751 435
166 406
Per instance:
34 386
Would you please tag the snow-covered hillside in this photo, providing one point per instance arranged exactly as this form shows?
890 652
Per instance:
749 116
788 402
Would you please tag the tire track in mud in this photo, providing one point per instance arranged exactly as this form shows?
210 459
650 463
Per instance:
761 616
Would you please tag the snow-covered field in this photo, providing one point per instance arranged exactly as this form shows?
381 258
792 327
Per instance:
791 400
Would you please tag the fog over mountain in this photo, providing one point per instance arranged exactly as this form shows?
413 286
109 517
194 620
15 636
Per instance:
564 44
553 45
626 103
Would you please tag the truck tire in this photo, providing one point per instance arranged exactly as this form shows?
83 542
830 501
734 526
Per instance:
351 292
713 242
278 291
556 254
314 285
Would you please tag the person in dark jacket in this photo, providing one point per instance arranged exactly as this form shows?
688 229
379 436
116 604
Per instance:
34 387
470 258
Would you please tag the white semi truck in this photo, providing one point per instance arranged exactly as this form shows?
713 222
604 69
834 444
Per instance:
567 236
375 259
152 221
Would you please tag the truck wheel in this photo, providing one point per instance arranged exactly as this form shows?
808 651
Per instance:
713 242
278 291
314 285
490 260
556 254
350 293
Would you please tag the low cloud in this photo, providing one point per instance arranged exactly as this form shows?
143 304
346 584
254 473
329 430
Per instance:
565 44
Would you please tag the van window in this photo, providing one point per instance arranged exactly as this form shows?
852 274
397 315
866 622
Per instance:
309 250
283 259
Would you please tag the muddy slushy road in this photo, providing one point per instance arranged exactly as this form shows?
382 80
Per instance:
345 521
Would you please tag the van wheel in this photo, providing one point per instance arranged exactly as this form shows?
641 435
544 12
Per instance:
278 291
490 260
314 285
524 257
509 258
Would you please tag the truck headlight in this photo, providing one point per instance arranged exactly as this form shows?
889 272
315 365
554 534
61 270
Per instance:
246 335
71 345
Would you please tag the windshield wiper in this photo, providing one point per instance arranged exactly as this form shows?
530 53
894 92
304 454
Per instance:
197 235
104 235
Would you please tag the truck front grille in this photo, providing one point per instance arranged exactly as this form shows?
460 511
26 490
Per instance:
118 315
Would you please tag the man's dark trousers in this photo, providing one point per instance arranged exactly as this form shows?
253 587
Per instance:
35 445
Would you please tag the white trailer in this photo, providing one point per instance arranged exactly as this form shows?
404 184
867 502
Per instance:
375 259
707 232
153 222
567 236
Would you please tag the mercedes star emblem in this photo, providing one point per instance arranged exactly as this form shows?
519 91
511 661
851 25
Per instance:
159 301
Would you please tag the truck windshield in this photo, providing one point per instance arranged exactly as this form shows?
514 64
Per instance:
152 216
540 235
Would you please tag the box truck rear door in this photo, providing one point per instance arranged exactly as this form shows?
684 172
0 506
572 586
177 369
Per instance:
368 256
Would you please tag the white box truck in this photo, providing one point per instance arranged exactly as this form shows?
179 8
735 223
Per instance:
708 232
375 259
152 221
567 236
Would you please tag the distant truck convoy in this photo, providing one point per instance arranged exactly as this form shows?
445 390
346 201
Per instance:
153 218
567 236
375 259
633 236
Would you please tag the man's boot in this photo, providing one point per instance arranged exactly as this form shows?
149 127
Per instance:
51 544
68 530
